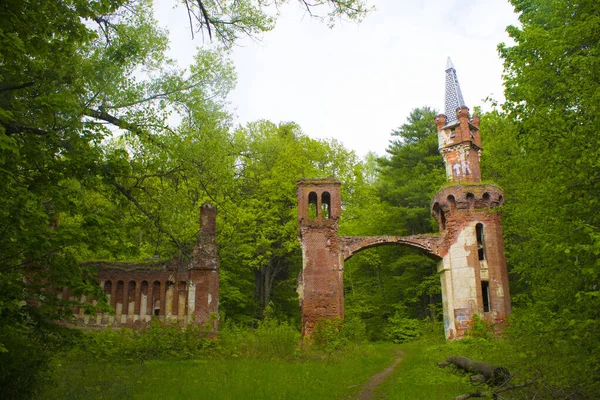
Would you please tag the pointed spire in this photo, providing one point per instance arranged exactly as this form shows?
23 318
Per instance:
454 98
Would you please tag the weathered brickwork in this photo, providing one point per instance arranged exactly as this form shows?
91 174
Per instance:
430 244
473 266
175 290
460 145
321 283
469 249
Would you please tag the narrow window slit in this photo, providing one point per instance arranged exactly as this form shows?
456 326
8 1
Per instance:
480 242
485 294
326 205
312 205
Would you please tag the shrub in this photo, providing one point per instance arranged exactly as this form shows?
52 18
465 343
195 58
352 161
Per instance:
271 339
327 335
480 328
354 330
159 340
400 329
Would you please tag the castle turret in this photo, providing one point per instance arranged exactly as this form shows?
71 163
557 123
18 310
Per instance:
473 268
458 134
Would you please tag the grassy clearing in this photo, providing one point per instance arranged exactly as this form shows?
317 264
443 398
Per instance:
337 377
418 376
165 362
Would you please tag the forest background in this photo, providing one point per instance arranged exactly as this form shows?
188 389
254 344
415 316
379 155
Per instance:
107 150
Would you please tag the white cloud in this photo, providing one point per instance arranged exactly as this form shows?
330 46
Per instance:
358 82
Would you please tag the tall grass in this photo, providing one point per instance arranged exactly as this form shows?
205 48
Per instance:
167 362
230 378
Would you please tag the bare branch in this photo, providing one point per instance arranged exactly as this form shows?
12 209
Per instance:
17 87
207 20
155 221
12 129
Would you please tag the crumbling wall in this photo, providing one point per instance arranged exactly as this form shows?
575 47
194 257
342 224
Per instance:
473 269
174 290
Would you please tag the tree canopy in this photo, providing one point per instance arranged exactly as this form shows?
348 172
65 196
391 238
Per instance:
542 147
227 20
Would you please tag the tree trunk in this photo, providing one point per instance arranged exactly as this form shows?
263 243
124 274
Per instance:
494 375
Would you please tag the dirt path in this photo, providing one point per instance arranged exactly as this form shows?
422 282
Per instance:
367 390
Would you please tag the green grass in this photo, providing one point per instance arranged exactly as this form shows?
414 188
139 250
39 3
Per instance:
338 377
260 369
419 377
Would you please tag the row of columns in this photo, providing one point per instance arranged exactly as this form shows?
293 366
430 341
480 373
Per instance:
133 300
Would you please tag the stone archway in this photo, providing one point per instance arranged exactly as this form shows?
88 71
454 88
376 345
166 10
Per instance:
429 244
472 273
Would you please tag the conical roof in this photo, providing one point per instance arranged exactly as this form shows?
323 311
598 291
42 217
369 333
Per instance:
454 97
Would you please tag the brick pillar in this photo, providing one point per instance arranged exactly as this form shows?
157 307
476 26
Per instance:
204 268
321 282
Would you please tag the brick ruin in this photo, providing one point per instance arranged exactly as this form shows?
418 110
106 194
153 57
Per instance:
469 247
185 292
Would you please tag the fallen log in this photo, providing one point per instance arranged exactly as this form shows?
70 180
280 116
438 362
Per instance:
469 395
494 375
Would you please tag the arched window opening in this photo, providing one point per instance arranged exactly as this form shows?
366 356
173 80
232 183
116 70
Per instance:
107 287
120 287
452 201
181 298
144 288
485 294
312 205
131 291
500 199
326 205
131 298
471 199
480 242
439 216
436 210
156 298
486 196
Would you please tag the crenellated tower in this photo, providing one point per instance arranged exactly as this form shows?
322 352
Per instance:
473 269
321 282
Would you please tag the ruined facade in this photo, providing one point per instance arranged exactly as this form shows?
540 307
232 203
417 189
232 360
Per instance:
173 291
469 248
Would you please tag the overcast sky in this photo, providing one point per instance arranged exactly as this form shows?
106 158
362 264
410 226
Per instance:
357 82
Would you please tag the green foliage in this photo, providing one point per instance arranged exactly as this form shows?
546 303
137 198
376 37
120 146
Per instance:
23 371
543 148
270 340
333 335
137 345
400 329
480 328
327 335
107 148
412 173
354 330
